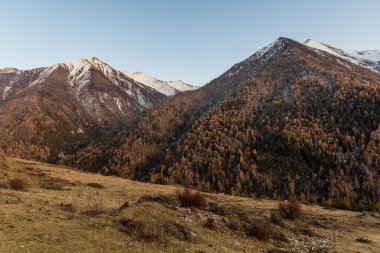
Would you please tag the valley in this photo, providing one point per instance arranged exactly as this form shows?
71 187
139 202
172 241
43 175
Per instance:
279 151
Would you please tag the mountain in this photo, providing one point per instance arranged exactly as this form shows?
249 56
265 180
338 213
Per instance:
168 88
289 121
45 112
369 58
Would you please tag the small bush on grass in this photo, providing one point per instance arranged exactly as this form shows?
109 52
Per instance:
218 209
146 231
124 206
154 231
55 184
290 209
4 185
234 223
211 224
363 240
191 198
94 206
167 200
68 207
261 230
18 184
276 218
96 185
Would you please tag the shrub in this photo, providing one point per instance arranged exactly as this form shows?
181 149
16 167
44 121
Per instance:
363 240
180 231
218 209
18 184
96 185
151 232
124 206
56 184
167 200
290 209
4 185
211 224
68 207
234 223
276 218
154 231
146 231
343 204
261 230
94 206
190 198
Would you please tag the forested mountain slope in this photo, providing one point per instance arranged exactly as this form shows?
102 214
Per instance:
287 121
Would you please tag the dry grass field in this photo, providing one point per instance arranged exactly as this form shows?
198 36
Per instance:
46 208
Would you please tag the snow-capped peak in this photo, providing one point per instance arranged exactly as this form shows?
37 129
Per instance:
259 57
168 88
80 74
81 66
9 70
369 59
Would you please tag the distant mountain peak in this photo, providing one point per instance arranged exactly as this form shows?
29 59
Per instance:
259 58
309 40
8 70
369 58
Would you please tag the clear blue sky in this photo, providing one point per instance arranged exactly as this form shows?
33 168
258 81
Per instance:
193 40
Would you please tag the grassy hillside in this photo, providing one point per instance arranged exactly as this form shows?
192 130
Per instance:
46 208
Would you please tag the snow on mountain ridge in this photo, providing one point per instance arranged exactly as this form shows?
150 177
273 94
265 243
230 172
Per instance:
261 56
9 70
168 88
82 77
369 58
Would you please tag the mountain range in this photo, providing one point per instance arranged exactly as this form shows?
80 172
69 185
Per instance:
46 111
289 121
293 120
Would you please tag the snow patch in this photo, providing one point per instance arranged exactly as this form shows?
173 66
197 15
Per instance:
43 75
261 55
6 91
369 59
167 88
119 105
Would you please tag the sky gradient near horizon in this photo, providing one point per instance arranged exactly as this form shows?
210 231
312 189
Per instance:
195 41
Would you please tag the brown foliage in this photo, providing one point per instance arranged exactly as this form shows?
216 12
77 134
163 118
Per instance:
53 183
68 207
18 184
168 200
363 240
152 231
261 230
291 209
94 206
276 218
191 198
211 223
96 185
